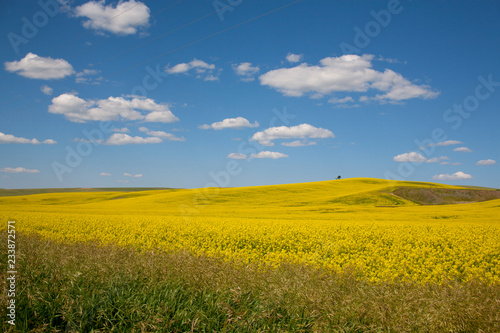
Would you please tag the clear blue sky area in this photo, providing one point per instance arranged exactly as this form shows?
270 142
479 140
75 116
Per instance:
241 93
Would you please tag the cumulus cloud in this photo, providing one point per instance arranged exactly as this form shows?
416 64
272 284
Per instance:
34 67
9 138
437 159
162 135
410 157
235 123
268 154
237 156
46 90
246 71
139 175
124 18
486 162
298 143
348 73
290 57
456 176
19 170
104 174
79 110
301 131
119 139
202 69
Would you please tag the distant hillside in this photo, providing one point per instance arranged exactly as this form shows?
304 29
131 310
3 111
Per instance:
325 196
15 192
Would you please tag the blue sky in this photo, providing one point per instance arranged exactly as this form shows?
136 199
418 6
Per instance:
240 93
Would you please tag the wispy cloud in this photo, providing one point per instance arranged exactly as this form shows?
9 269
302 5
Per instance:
162 135
19 170
201 69
9 138
463 150
298 143
139 175
237 156
447 143
119 139
268 154
437 159
486 162
121 130
246 71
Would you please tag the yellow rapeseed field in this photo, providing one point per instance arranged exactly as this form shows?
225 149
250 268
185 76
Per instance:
347 224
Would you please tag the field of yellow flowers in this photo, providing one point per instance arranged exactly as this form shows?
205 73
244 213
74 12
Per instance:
355 224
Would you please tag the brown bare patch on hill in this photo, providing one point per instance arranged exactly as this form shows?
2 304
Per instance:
445 196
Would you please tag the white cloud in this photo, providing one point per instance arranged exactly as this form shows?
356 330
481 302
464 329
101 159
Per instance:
78 110
119 139
121 130
410 157
447 143
290 57
301 131
237 156
298 143
202 69
236 123
34 67
456 176
437 159
86 76
105 174
9 138
125 18
19 170
486 162
139 175
165 116
268 154
46 90
162 135
448 163
122 181
211 77
463 150
346 99
246 71
348 73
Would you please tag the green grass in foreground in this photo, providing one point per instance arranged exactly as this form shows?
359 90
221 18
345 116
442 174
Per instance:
91 288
